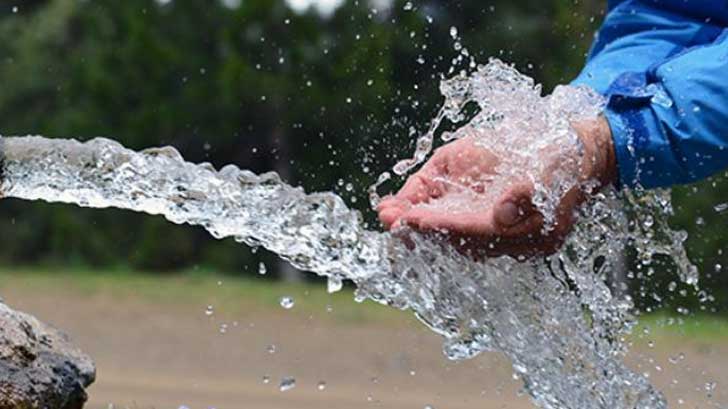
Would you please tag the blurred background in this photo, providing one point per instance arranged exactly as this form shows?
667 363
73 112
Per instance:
327 93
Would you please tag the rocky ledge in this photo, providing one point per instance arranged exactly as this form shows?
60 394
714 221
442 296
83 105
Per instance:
39 367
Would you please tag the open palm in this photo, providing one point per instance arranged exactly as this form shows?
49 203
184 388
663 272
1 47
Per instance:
454 194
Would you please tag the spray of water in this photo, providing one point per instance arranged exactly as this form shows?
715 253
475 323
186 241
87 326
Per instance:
555 318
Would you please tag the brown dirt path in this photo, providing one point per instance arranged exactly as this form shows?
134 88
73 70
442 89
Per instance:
170 355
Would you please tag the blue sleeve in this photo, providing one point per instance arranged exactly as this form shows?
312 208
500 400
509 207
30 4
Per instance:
665 75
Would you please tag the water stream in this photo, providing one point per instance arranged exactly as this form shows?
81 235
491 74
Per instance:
555 318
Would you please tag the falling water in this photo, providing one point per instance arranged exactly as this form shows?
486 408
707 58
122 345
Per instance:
555 318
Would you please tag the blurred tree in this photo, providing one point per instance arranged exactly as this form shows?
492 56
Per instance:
328 101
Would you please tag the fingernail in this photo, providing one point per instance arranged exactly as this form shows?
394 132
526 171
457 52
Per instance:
507 214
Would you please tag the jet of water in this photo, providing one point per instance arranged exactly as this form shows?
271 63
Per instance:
555 318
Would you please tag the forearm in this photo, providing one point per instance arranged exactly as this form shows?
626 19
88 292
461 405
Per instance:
599 163
633 38
662 71
675 133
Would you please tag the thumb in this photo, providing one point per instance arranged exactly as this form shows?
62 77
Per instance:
514 206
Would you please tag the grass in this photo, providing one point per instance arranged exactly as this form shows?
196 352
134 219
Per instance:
698 326
195 288
241 295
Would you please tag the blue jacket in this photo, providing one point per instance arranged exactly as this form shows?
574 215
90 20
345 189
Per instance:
663 64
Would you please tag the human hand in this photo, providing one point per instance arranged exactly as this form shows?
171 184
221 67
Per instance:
450 194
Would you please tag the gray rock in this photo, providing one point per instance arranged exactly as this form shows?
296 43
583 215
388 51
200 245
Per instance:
39 368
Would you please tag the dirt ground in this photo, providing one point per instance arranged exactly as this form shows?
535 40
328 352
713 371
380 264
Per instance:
173 355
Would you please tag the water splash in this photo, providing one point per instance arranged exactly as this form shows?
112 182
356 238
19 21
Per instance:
555 318
530 135
287 383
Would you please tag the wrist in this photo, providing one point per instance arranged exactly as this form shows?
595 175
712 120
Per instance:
599 163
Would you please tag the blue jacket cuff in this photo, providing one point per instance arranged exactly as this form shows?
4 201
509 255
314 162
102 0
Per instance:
631 129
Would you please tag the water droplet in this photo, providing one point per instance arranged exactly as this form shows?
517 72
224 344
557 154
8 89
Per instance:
271 349
720 208
659 95
262 269
266 379
334 285
287 383
287 302
453 32
648 221
210 310
321 385
408 6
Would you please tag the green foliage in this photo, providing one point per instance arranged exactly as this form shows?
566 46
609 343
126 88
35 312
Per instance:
235 296
317 98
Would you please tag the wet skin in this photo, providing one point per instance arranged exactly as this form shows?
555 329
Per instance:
512 226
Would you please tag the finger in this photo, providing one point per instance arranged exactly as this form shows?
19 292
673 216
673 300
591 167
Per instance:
386 201
421 188
527 229
391 203
390 210
515 205
463 224
390 217
535 243
423 185
480 226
